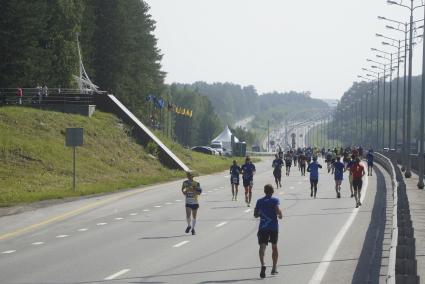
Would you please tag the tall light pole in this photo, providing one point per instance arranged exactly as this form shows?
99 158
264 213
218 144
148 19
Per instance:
370 82
421 127
383 68
408 172
376 75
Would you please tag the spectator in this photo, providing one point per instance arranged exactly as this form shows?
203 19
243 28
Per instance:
20 95
45 91
39 93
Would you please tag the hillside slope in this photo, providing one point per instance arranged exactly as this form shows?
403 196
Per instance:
36 165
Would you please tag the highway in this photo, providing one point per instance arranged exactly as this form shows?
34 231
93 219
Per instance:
137 236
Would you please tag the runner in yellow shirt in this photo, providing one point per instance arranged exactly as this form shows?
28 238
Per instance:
191 190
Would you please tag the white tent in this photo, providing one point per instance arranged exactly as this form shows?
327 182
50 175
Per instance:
225 138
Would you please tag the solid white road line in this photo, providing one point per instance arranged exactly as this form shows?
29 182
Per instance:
221 224
330 253
119 218
119 273
247 210
8 251
82 230
62 236
101 224
180 244
37 243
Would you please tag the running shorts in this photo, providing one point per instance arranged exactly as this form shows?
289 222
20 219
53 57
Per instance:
370 164
350 178
277 174
248 182
357 184
267 236
314 182
234 180
192 206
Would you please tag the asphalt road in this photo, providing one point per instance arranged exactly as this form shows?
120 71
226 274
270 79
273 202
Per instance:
138 236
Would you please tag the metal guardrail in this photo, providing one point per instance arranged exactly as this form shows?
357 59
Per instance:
388 165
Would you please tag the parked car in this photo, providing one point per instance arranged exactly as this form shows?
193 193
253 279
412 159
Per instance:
205 150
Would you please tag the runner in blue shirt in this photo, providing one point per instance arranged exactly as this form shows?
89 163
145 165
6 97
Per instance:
339 169
235 171
313 169
248 171
267 208
369 158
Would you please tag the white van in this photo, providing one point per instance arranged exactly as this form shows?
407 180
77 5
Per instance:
218 146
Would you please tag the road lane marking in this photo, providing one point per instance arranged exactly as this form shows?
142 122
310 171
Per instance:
119 273
180 244
146 210
71 213
119 218
82 230
168 203
291 187
133 214
157 206
247 210
216 189
178 200
299 182
101 224
37 243
226 176
221 224
209 191
8 252
330 253
221 187
62 236
281 193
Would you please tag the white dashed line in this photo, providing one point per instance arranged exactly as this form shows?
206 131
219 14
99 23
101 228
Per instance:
226 176
299 182
8 251
119 273
37 243
158 206
221 187
247 210
119 218
82 230
216 189
146 210
221 224
62 236
291 187
281 193
133 214
209 191
178 200
168 203
180 244
101 224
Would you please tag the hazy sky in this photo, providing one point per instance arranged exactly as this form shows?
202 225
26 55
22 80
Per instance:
282 45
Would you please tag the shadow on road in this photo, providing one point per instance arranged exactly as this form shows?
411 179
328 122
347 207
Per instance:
368 266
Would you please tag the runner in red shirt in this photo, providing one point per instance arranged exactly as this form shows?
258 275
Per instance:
358 172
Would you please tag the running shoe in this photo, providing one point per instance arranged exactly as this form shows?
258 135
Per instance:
357 205
263 272
188 229
352 195
339 195
274 272
360 204
193 232
249 205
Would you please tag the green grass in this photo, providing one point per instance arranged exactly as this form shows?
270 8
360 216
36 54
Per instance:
35 164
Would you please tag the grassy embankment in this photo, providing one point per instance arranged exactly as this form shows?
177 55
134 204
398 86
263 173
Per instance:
35 164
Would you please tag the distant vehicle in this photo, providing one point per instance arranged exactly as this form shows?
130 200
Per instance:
256 148
205 150
218 146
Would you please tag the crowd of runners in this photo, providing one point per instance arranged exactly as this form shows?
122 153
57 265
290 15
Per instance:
338 161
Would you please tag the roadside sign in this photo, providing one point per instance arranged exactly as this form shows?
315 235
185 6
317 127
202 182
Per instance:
74 139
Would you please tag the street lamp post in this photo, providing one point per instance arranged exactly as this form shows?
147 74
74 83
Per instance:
384 69
421 127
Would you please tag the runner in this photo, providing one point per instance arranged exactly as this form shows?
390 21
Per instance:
288 163
302 163
313 169
295 158
235 171
248 171
358 172
191 189
369 157
277 170
328 160
339 175
267 208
